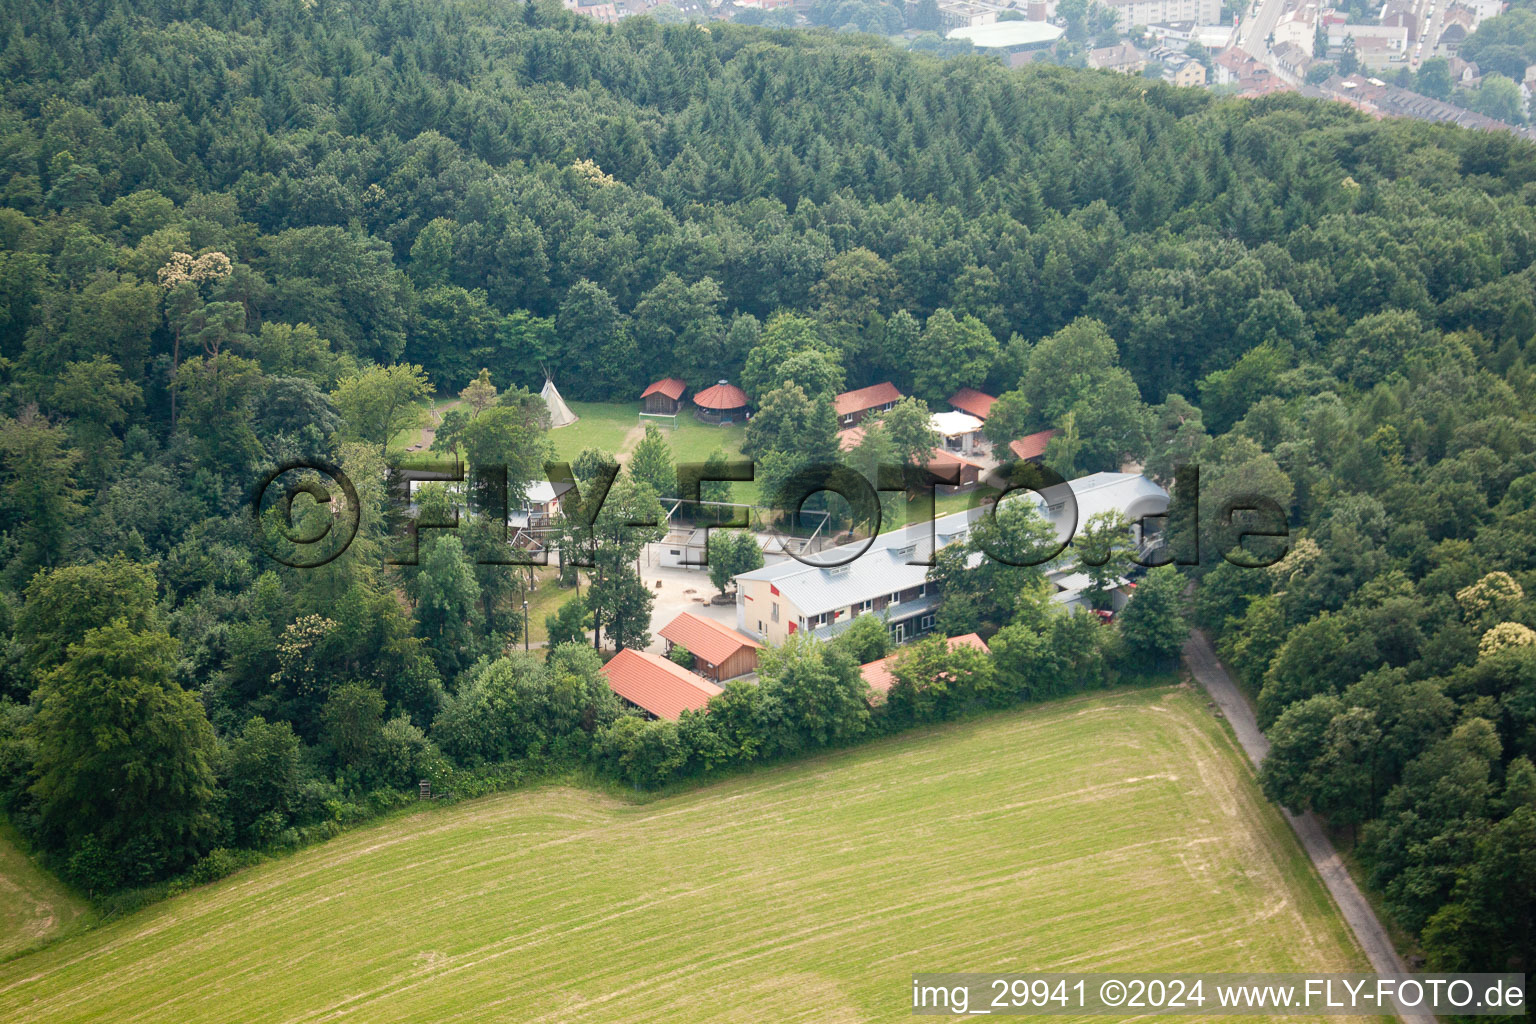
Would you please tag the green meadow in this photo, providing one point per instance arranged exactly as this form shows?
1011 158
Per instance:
1119 831
34 907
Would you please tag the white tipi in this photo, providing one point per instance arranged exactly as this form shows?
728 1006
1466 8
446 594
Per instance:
560 414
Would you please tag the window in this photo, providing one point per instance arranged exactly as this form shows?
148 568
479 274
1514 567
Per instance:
673 551
775 613
865 606
927 622
759 625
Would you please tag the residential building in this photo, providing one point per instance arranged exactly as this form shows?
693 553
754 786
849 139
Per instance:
1298 27
1148 12
972 402
966 14
1031 448
1402 14
1292 59
1184 72
1481 10
944 462
1379 99
1124 58
1372 43
853 406
1241 69
888 575
1168 33
1458 22
606 13
1465 73
1181 33
719 652
541 503
659 687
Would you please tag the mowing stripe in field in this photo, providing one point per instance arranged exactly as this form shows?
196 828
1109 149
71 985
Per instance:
1116 832
34 907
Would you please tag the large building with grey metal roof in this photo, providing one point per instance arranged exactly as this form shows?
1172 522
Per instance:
890 578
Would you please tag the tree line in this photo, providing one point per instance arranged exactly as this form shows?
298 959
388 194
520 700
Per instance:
236 233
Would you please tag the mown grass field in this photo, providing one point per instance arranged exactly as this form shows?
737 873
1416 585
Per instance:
1120 831
34 907
615 427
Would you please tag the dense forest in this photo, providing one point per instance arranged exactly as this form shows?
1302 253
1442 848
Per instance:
243 231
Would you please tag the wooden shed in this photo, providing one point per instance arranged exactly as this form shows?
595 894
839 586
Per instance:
663 398
655 685
719 652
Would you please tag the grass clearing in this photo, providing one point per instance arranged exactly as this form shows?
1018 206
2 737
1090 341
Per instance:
616 427
34 906
600 425
547 598
1119 831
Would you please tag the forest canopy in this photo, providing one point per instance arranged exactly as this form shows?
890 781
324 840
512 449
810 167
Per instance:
236 232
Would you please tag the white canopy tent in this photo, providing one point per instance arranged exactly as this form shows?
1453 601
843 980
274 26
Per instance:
560 414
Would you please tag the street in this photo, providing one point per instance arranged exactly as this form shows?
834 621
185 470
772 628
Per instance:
1373 938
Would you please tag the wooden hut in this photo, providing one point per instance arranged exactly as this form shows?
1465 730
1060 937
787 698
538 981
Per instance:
663 398
719 652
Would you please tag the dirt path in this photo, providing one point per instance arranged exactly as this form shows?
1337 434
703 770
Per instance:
1362 920
33 905
635 436
435 414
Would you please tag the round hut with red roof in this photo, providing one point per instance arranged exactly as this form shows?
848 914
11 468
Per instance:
721 403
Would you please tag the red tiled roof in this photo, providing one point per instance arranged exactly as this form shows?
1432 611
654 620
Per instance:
662 687
848 440
1033 446
670 386
720 396
943 457
878 673
977 403
706 638
872 397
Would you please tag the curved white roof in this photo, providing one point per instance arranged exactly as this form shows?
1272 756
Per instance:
1003 34
885 566
951 423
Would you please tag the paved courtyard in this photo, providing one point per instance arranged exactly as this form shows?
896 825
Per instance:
680 590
